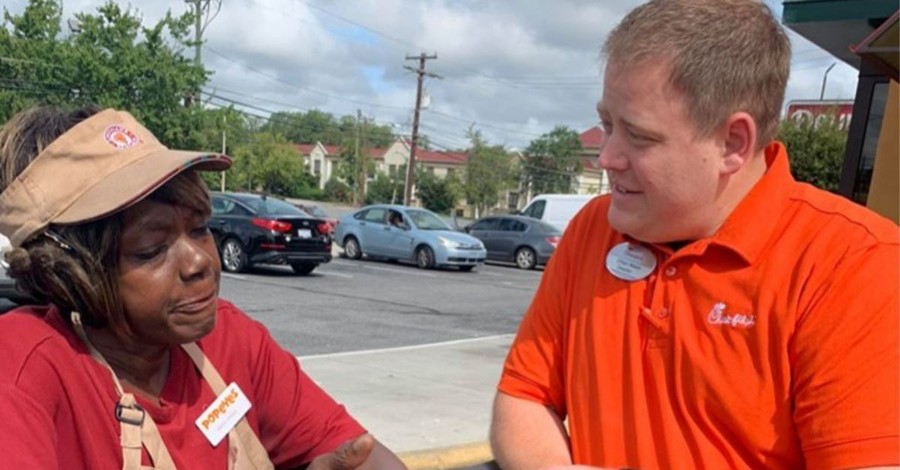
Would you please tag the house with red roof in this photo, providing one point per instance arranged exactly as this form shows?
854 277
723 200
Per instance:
593 179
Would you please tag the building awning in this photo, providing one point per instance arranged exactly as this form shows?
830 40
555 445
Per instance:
882 47
834 25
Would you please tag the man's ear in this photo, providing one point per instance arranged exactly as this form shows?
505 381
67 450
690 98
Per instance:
739 132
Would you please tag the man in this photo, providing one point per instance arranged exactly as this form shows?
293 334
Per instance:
711 312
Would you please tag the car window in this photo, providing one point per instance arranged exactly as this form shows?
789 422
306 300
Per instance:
511 225
426 220
485 224
536 209
375 214
271 206
222 206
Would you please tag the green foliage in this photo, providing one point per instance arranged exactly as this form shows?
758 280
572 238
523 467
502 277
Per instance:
318 126
336 190
552 161
384 189
110 60
270 164
437 194
816 151
488 173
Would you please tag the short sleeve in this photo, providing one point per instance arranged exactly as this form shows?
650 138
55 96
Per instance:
535 366
845 359
27 433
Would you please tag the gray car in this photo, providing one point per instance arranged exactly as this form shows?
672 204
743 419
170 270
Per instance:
522 240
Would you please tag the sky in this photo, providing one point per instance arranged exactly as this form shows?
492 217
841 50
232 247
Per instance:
511 69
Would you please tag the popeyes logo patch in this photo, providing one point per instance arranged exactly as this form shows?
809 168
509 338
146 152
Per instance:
120 137
223 414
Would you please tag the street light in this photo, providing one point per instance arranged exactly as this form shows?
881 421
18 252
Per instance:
825 79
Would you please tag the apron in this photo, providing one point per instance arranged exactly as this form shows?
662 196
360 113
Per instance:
245 452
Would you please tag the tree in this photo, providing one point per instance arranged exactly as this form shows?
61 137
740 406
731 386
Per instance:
816 151
384 189
109 59
319 126
437 194
271 164
552 161
488 173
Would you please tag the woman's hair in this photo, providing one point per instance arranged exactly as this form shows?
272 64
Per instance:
76 267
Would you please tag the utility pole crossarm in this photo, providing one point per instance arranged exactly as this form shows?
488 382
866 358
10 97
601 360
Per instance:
411 165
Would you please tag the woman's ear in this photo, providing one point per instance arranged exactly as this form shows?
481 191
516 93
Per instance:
739 142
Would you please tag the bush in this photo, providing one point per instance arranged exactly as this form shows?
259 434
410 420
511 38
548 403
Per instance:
436 194
383 189
337 191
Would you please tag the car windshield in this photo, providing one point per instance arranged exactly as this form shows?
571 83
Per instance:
316 211
270 206
425 220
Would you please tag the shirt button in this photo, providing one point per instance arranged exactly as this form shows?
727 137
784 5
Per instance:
663 313
671 271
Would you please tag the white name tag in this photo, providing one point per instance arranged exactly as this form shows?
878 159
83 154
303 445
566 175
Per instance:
223 414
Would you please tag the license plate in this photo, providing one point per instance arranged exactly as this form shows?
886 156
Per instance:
304 233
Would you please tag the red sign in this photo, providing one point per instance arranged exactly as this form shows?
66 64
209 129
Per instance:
819 111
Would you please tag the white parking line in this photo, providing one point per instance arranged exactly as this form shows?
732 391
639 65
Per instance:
404 348
234 276
412 271
335 274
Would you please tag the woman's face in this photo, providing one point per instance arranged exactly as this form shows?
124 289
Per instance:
169 274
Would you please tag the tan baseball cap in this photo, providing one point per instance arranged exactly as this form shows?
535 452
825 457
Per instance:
104 164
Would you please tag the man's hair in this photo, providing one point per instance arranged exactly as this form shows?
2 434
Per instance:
79 270
726 56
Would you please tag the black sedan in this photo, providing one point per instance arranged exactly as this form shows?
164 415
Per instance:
522 240
257 229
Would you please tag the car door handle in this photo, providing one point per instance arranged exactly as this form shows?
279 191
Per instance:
386 228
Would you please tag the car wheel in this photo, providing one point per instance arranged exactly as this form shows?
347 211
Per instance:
424 257
351 248
303 269
525 258
466 269
234 259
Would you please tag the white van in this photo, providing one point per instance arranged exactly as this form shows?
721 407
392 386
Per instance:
556 209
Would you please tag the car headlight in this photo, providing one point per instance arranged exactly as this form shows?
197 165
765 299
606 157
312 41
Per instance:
447 242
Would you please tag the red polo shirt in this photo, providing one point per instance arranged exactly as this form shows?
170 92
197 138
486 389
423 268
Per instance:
772 344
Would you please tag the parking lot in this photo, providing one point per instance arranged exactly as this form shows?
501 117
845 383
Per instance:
350 305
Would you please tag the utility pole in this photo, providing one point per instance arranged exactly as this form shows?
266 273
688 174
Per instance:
411 165
360 180
200 24
224 122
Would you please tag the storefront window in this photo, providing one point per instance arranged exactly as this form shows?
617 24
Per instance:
870 142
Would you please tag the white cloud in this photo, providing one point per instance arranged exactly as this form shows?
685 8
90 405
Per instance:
514 69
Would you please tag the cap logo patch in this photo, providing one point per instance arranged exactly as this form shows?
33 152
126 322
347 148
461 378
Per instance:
120 137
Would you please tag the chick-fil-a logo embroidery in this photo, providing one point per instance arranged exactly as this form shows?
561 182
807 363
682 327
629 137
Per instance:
717 316
121 137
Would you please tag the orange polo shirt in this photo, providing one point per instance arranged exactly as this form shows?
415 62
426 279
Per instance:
772 344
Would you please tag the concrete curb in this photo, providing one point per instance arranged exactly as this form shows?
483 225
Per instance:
447 458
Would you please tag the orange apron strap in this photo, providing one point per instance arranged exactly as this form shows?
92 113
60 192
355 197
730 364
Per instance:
245 451
137 427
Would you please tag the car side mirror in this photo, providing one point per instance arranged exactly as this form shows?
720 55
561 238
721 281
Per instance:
467 228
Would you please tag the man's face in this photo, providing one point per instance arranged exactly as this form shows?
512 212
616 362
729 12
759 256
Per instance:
169 277
663 177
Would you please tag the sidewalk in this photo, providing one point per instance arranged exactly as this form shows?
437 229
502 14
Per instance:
420 400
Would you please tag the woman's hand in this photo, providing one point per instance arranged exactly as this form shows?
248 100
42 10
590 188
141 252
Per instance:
355 454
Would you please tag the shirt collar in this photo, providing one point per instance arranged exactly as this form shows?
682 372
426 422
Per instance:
752 223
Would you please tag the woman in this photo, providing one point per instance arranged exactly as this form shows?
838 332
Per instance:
135 362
